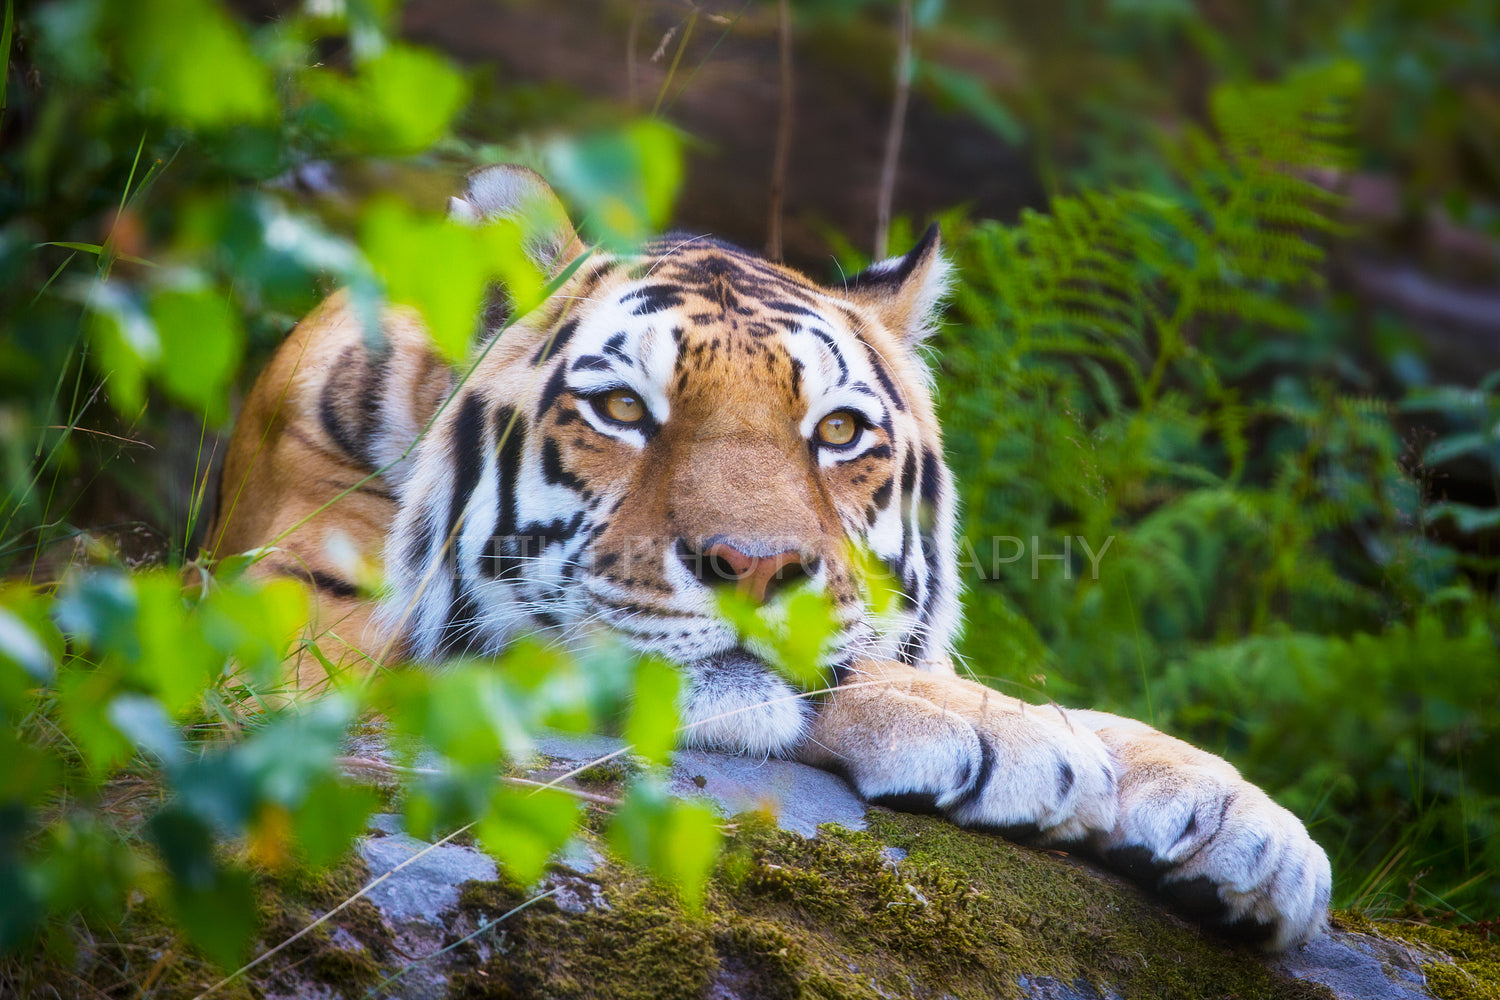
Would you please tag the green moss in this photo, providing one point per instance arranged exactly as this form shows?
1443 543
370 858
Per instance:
293 899
609 775
645 945
1474 973
963 915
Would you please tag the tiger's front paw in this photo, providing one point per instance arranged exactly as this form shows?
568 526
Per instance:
1192 828
939 743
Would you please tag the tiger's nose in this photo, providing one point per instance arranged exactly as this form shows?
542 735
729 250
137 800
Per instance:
758 577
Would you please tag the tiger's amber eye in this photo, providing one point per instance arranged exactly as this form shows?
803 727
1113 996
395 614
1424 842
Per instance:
624 406
838 428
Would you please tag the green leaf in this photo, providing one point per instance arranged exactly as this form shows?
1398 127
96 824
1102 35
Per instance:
20 646
788 633
398 103
84 694
188 60
524 828
1466 517
255 623
201 343
809 624
146 724
100 609
652 728
625 181
329 819
442 268
1453 446
677 841
467 713
213 906
294 753
125 343
175 661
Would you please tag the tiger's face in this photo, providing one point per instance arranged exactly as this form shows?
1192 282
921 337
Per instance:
672 421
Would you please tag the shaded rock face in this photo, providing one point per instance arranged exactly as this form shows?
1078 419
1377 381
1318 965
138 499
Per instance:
877 904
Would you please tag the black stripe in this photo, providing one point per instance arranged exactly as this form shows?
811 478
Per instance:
555 387
878 362
616 345
326 582
930 478
833 349
468 448
553 346
986 768
555 472
499 559
654 298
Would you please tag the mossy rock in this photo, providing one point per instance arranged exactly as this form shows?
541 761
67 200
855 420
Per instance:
910 906
947 913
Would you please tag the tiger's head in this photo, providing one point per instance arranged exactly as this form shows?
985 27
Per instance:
667 421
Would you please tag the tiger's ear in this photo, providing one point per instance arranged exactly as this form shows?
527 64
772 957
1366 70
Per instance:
507 191
906 292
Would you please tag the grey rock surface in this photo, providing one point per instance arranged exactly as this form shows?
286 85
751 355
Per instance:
428 887
800 797
1357 966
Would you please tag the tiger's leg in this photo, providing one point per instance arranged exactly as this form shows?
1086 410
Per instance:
1144 802
310 476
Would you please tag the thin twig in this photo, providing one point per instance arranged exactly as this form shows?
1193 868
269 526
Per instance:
783 132
105 434
893 134
381 767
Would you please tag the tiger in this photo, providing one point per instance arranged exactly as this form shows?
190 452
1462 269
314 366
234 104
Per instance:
690 414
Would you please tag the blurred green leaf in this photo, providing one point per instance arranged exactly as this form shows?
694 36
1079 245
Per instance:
397 103
20 646
126 345
652 728
146 724
466 713
213 906
1468 518
525 828
677 841
789 633
175 660
255 622
442 268
188 60
329 818
86 866
100 608
625 181
84 694
201 344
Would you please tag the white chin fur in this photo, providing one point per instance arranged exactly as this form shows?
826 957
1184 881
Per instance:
735 703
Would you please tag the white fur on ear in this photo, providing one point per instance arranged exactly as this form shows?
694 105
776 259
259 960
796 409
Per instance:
508 191
907 292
